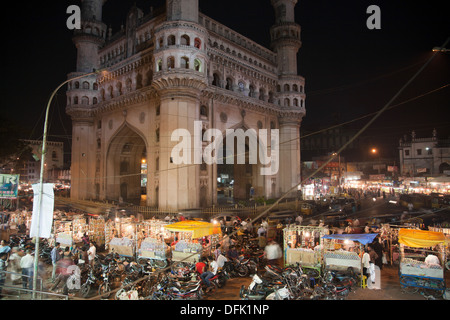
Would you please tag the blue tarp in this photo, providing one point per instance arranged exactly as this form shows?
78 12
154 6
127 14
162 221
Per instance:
363 238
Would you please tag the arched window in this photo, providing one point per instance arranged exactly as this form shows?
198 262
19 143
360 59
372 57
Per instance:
229 84
251 92
95 86
111 92
198 43
119 88
77 85
157 135
159 65
295 87
170 62
204 111
261 93
286 87
160 43
198 65
271 98
85 85
85 100
75 100
287 102
216 80
185 40
184 63
171 40
295 102
54 156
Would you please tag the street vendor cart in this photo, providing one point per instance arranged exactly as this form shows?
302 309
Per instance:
414 272
190 233
303 245
341 251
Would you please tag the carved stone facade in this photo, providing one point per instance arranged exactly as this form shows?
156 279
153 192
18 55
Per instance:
164 71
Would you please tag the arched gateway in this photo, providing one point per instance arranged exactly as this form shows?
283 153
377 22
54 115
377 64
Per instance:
181 70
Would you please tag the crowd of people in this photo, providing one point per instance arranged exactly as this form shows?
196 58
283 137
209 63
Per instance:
19 264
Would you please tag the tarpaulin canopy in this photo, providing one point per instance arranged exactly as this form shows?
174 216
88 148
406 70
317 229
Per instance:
363 238
420 238
197 228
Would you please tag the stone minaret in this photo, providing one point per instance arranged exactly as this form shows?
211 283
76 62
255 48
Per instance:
285 41
82 94
180 76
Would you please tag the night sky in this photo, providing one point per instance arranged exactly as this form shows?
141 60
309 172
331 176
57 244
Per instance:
350 71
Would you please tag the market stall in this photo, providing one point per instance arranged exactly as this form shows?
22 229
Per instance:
303 245
416 246
191 237
121 236
341 251
62 230
151 236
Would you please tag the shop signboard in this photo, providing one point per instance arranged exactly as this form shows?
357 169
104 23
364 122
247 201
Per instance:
9 184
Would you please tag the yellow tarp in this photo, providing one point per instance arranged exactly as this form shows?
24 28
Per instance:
420 238
197 228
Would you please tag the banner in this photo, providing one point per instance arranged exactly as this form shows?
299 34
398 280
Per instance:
46 211
9 184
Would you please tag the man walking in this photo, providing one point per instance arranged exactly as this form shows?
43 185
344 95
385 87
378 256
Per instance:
27 264
55 255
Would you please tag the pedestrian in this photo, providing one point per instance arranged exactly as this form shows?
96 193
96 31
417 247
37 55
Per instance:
91 254
261 231
14 265
85 239
83 258
366 263
67 253
63 273
4 248
373 256
378 248
75 251
217 251
56 256
3 265
210 272
273 252
27 264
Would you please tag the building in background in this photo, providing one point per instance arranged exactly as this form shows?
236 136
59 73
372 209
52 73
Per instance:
424 157
167 69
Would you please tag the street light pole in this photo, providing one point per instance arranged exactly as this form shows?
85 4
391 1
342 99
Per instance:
41 176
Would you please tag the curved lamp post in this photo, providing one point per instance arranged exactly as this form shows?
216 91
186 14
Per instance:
41 177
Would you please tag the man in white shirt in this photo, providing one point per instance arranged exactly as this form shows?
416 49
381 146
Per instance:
221 259
27 264
273 252
211 272
91 254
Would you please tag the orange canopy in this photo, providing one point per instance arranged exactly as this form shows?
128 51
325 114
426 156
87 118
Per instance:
420 238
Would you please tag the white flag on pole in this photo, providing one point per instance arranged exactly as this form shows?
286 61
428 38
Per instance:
46 214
